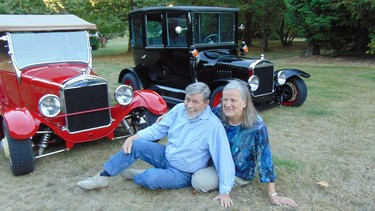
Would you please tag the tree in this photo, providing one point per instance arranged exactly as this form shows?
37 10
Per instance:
362 11
23 7
267 16
286 31
338 25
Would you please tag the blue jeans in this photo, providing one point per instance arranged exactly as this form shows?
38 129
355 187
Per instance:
162 176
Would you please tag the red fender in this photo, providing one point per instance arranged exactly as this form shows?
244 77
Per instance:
151 100
20 123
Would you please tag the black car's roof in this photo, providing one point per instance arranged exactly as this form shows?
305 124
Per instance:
186 8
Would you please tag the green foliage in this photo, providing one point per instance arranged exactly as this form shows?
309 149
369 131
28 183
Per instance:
340 25
371 45
110 16
94 42
23 7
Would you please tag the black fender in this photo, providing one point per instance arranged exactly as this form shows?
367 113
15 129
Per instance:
214 84
293 72
131 71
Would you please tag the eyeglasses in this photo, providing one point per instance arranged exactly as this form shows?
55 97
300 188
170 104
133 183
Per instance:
194 101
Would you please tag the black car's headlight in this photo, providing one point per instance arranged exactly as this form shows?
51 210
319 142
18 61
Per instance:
49 105
281 78
253 83
124 95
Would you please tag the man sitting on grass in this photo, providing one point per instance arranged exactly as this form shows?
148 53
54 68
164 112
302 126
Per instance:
194 135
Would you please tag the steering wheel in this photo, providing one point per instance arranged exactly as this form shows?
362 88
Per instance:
208 39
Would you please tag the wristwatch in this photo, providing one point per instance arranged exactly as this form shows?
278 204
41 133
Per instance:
273 194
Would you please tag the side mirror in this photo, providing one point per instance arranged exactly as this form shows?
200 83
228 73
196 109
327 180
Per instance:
4 38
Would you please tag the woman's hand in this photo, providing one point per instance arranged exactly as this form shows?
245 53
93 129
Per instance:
225 200
278 200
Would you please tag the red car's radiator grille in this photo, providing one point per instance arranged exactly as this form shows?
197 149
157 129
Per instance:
87 107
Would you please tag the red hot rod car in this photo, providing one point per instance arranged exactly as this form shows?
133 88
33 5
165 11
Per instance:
49 93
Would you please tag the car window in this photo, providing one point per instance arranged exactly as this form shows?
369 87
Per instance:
213 28
177 39
137 30
154 30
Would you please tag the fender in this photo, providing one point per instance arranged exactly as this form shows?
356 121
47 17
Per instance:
293 72
150 100
132 71
214 84
21 124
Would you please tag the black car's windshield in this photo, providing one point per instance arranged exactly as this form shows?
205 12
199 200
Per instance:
213 28
32 48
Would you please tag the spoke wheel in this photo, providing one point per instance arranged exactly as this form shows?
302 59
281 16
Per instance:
295 92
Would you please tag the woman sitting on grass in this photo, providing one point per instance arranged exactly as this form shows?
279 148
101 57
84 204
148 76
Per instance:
248 139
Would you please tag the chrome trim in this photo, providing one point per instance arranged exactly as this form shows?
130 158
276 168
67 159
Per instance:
41 100
12 57
76 83
80 78
262 63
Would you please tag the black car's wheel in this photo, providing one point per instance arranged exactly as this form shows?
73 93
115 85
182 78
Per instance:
149 117
130 80
19 153
216 96
295 92
139 119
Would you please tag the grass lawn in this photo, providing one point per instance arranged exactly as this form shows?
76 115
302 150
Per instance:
330 138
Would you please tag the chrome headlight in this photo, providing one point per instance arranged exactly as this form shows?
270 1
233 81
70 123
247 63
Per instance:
253 83
124 95
49 105
281 78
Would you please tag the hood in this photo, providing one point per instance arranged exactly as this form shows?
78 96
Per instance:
53 75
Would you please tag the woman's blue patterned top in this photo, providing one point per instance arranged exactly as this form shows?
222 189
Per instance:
250 149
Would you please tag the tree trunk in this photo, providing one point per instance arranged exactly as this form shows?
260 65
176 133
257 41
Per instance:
361 41
247 35
312 50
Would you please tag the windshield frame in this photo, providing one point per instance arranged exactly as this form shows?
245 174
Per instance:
43 51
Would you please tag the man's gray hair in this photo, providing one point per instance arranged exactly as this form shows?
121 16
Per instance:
198 88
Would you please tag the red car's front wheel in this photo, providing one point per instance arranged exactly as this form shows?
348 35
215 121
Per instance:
18 152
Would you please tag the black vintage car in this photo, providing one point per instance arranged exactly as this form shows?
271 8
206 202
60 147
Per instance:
175 46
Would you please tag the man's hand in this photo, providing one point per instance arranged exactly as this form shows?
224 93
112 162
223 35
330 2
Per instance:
278 200
225 200
128 144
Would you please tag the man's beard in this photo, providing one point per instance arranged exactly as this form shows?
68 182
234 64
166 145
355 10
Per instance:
192 116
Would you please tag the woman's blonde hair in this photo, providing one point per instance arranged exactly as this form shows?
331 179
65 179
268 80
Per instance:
249 112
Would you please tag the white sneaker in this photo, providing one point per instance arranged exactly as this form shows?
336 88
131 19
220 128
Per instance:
94 182
130 173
